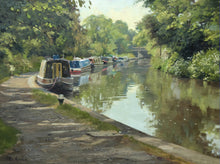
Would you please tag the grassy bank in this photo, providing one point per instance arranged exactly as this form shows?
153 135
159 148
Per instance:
7 137
44 98
83 116
70 111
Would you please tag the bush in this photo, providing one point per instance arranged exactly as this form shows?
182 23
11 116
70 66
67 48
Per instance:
156 62
205 65
180 68
35 62
4 72
21 65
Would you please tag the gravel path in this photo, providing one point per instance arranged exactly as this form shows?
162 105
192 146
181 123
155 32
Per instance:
48 137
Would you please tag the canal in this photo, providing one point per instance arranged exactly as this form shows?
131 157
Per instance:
180 111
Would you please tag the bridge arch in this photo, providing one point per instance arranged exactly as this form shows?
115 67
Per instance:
140 52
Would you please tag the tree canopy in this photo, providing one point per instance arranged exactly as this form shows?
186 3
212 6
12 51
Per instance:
107 37
181 30
39 28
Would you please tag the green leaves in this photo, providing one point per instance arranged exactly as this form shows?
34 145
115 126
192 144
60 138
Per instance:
44 21
106 37
186 28
28 16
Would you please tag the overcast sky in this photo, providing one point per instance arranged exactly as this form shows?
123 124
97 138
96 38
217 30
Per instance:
125 10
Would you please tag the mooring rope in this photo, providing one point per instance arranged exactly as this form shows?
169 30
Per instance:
53 84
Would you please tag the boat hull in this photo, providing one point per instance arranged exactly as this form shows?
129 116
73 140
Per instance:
56 83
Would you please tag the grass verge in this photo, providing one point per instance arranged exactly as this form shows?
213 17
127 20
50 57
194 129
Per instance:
82 116
4 79
7 137
44 98
70 111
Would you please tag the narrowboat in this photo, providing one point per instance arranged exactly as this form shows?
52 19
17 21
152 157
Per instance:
55 74
96 60
78 65
106 60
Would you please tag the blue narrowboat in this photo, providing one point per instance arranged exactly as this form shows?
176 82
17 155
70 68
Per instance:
78 66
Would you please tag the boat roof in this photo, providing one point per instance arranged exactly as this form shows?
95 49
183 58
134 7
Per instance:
60 59
79 59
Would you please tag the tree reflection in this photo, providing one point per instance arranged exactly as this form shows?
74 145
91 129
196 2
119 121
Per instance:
183 110
102 91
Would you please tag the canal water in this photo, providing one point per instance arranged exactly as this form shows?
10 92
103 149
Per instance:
181 111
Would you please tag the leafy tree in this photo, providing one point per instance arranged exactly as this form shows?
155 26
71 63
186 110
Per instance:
185 28
42 28
106 37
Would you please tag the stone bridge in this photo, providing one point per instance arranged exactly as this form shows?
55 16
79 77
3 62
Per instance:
140 52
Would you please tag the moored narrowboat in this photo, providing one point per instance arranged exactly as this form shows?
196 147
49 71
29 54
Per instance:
96 60
78 65
55 73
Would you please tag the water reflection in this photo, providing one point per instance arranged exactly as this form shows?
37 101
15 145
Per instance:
186 110
181 111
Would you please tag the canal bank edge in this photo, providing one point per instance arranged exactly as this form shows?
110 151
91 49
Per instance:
170 148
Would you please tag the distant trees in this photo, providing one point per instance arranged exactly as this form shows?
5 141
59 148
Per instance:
178 32
107 37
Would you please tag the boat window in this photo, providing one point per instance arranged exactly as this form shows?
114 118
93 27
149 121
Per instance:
74 64
48 73
85 63
65 69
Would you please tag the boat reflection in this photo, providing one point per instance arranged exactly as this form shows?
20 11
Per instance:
78 80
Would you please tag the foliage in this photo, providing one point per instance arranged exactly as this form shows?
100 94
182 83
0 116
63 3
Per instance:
4 71
7 137
43 98
205 65
85 117
20 64
107 37
180 68
38 28
140 39
35 62
184 27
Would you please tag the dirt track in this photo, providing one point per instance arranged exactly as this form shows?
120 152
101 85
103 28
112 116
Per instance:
47 137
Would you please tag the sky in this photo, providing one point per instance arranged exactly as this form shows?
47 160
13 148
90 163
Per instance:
126 10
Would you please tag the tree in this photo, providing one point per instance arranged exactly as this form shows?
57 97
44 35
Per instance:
39 28
106 37
186 28
42 27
